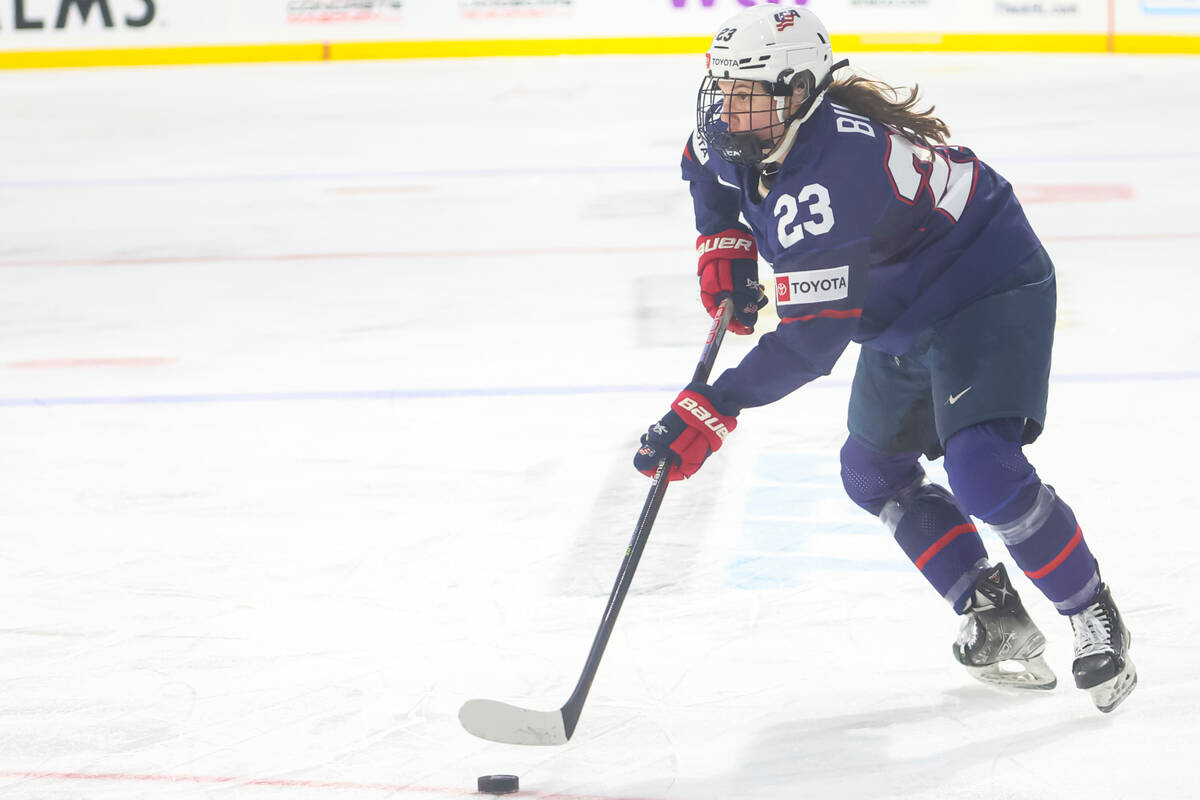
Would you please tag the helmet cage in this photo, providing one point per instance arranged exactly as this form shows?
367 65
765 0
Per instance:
749 145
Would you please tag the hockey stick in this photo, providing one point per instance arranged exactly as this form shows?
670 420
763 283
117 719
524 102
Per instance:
502 722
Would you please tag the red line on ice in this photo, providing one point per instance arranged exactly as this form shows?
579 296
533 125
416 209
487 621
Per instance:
54 363
490 253
277 783
1074 193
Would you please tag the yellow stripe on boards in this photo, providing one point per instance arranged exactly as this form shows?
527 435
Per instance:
906 42
649 45
1180 45
157 56
973 42
900 42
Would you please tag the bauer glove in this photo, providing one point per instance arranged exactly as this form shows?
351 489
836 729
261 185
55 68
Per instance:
729 268
689 433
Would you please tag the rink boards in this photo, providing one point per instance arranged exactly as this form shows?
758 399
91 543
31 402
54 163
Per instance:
63 33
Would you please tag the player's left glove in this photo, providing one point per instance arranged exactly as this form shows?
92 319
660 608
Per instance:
728 267
689 433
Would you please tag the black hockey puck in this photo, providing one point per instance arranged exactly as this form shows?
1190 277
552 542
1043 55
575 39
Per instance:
499 784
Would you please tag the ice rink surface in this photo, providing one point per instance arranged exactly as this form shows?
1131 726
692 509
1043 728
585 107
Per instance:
320 384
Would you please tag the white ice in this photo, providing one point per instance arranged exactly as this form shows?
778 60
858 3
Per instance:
319 386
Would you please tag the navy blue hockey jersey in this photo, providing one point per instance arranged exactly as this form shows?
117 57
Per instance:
872 239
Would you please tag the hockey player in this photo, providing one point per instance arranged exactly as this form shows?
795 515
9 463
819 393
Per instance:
880 233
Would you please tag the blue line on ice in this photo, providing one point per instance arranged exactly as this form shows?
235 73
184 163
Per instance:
486 392
505 172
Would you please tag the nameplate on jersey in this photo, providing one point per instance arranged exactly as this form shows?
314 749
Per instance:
700 147
812 286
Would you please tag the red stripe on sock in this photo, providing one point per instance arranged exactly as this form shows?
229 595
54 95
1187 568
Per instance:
1061 557
941 543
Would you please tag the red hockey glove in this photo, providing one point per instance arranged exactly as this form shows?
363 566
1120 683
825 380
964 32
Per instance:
689 433
729 268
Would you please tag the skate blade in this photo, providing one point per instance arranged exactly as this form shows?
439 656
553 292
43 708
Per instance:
1033 673
1108 695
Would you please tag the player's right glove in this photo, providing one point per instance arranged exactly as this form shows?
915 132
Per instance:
729 268
689 433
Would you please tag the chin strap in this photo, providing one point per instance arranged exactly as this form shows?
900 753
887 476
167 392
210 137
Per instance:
769 165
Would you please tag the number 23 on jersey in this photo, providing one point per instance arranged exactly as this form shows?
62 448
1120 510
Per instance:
814 200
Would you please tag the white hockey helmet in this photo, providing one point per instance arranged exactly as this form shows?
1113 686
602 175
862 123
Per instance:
782 51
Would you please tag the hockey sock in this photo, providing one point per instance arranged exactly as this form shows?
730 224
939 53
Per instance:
939 539
1047 543
996 483
925 520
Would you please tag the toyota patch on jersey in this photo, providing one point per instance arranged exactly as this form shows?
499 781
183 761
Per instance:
812 286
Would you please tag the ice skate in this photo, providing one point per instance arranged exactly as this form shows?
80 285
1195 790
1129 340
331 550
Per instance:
998 643
1102 664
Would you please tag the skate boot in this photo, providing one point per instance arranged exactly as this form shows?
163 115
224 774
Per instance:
998 643
1102 665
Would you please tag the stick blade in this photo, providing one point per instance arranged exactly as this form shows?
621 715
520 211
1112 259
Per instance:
509 724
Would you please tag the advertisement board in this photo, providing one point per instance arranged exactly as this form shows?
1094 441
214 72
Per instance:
304 29
1151 17
46 24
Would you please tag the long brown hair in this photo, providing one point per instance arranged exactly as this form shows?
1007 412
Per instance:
883 103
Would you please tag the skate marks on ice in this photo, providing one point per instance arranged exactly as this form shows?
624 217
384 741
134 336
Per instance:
920 750
687 520
797 520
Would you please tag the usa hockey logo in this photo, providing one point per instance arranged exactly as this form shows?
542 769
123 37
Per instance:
785 20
